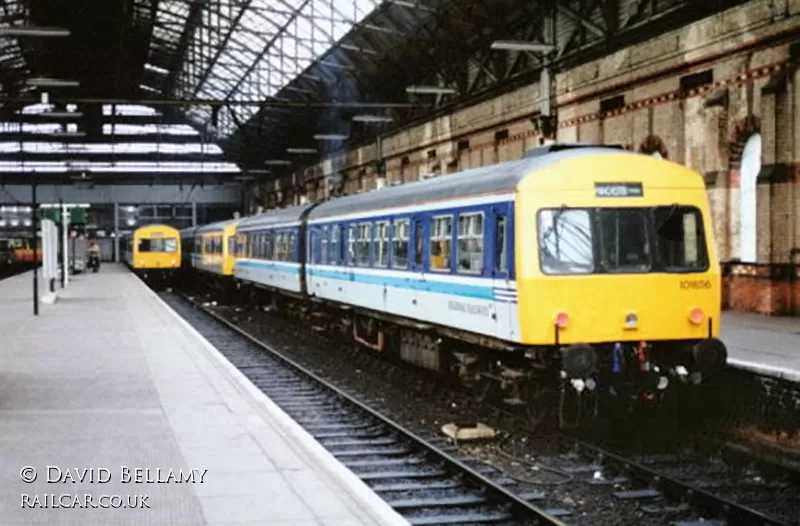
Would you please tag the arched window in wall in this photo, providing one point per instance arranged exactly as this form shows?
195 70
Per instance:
750 167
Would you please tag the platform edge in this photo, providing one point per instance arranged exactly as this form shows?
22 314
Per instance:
356 488
765 370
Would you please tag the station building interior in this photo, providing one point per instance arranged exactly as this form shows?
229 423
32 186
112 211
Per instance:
186 113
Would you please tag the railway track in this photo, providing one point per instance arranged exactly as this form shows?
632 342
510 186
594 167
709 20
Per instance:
419 479
679 488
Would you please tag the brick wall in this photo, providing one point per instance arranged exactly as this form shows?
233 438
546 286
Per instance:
766 289
697 94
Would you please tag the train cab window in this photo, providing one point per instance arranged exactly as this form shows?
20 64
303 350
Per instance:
624 246
351 245
335 254
364 240
400 244
158 245
565 241
470 243
681 239
441 236
382 244
500 246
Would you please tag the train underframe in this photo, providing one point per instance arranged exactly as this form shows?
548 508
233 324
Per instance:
157 278
553 385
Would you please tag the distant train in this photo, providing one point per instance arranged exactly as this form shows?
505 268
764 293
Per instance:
575 270
152 251
6 257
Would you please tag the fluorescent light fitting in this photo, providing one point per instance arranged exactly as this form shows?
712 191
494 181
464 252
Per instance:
336 65
67 134
301 150
298 90
149 88
156 69
372 118
33 31
430 90
277 162
331 137
351 47
62 114
518 45
412 5
53 83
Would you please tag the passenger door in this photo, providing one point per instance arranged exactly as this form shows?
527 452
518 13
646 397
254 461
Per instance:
417 260
505 294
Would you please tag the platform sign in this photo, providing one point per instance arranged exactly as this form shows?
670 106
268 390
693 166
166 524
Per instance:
49 250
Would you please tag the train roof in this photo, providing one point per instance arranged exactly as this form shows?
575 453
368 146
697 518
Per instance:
214 227
272 218
155 225
189 231
497 178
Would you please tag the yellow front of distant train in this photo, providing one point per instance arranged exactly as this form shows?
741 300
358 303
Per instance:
217 247
615 253
154 249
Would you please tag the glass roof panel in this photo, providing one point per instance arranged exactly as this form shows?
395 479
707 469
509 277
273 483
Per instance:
311 27
144 129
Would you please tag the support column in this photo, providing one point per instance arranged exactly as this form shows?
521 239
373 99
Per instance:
116 232
380 164
35 246
194 213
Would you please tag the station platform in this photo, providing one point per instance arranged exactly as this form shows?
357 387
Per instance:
111 379
763 344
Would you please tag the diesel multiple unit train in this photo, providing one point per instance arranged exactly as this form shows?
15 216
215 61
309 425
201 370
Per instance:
575 270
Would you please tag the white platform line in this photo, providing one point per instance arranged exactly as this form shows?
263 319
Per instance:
357 489
766 370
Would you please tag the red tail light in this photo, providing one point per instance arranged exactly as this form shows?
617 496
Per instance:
562 320
696 316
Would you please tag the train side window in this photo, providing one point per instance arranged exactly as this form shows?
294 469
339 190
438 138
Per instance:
364 240
311 246
323 258
418 243
292 252
441 237
382 244
400 244
470 243
270 240
278 239
335 247
500 246
351 246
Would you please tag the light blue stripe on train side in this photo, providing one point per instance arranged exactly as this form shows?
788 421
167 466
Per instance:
428 285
